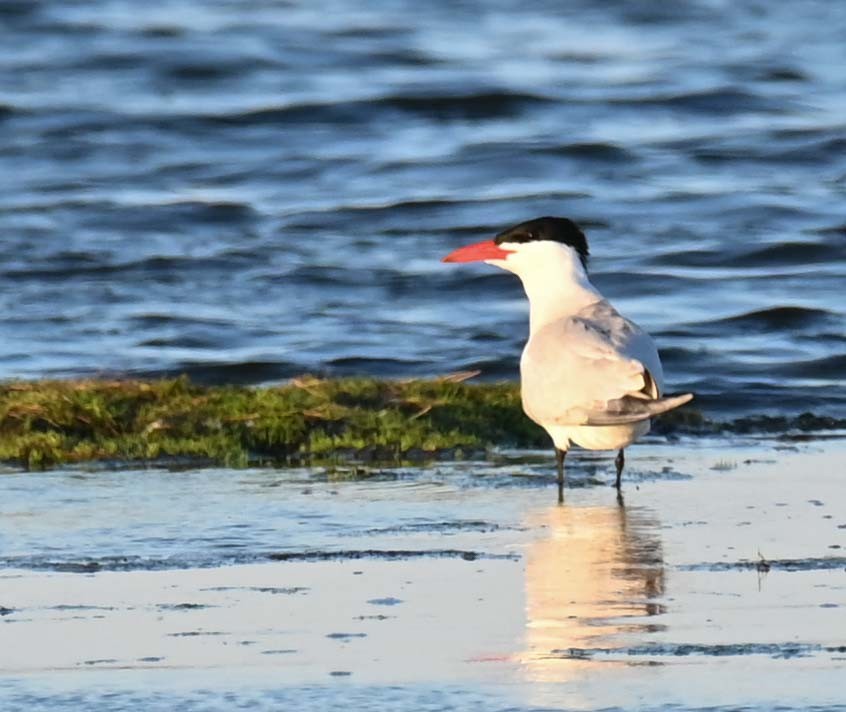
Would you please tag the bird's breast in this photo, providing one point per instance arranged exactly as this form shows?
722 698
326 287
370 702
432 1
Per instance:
597 437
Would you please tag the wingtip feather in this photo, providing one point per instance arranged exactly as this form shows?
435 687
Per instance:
667 403
633 410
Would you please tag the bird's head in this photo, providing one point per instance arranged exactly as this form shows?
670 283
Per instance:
529 246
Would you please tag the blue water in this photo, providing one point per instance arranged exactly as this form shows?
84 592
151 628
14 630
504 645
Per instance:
245 191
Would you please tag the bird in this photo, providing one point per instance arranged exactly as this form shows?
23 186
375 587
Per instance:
588 375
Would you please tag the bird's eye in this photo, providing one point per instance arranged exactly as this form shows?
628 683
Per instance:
530 235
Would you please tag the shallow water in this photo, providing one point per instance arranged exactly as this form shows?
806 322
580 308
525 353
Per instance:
244 191
455 587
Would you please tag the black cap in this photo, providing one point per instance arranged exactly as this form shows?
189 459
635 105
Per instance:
561 230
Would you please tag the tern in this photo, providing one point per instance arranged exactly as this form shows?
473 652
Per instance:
588 375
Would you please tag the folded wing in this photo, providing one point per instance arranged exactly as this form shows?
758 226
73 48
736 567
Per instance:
593 368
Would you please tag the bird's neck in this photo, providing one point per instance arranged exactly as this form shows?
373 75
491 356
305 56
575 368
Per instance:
557 288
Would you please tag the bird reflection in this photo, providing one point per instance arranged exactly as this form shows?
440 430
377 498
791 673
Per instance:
594 580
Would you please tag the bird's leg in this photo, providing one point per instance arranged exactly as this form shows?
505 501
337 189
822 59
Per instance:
619 462
559 463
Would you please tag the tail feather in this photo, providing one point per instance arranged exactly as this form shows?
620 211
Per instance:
632 409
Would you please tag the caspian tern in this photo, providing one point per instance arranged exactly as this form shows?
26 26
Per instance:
588 375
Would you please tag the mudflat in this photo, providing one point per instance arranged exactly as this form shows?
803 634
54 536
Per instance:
718 580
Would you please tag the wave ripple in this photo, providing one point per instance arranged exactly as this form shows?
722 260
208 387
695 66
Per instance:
281 187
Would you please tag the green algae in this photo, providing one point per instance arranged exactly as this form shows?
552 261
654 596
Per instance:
48 423
43 424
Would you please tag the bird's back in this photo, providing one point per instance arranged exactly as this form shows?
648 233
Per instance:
578 364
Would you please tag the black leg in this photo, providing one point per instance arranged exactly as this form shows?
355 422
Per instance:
620 463
559 463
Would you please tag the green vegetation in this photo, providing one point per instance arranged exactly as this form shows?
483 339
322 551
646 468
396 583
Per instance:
43 424
48 423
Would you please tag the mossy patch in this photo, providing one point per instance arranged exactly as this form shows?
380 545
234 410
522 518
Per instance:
43 424
48 423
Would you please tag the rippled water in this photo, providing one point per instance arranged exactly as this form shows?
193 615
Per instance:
244 191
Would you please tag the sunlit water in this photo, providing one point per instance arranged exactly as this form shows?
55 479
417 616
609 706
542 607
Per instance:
248 190
453 587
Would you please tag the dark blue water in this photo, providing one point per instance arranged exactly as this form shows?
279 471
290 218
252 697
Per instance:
244 191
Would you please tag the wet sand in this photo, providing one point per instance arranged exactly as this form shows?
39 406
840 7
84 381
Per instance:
719 581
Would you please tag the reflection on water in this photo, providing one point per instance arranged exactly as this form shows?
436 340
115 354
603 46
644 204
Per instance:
595 579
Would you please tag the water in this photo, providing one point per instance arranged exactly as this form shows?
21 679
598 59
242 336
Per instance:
454 587
245 191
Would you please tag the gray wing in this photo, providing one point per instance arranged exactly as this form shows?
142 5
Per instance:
593 368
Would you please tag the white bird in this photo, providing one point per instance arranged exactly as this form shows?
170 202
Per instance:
588 375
